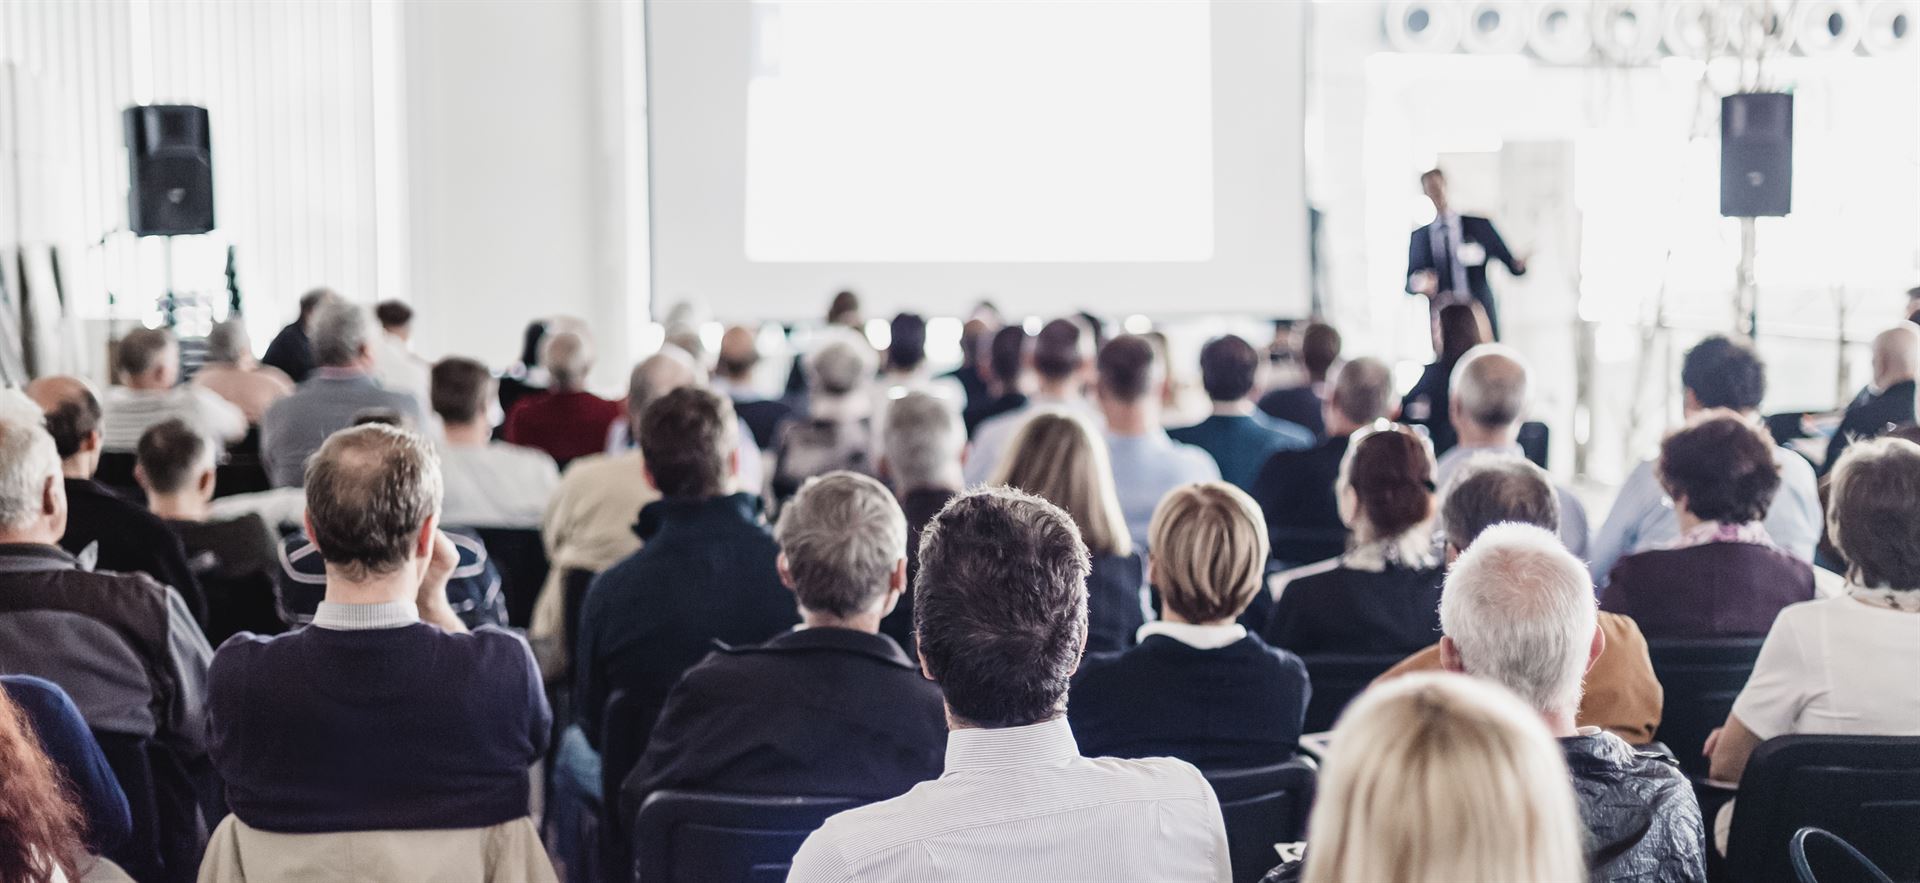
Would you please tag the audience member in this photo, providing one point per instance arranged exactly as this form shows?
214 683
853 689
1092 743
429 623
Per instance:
1239 436
1441 777
1002 623
41 825
564 419
394 363
620 438
1058 359
291 351
1059 458
1518 611
488 483
1295 489
1723 577
1146 462
837 433
832 708
233 560
905 370
151 392
925 445
1843 665
105 531
1381 596
706 569
972 373
733 377
1305 405
341 387
232 373
1886 402
1199 686
525 375
1717 373
1487 398
1620 693
417 722
1457 328
126 648
1002 370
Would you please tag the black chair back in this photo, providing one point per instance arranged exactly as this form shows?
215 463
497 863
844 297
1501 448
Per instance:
1336 679
693 837
116 471
169 835
1700 679
626 724
1533 441
1263 806
522 560
1865 789
241 471
1820 857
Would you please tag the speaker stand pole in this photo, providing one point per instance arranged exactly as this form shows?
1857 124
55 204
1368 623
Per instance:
1746 293
167 300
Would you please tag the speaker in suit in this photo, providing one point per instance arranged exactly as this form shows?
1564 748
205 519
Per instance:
1447 259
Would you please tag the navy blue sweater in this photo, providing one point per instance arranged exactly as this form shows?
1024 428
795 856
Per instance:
1234 707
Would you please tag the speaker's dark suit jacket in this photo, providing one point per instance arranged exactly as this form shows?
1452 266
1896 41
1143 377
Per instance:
1420 256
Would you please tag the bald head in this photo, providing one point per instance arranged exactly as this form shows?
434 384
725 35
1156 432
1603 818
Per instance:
1896 355
663 372
373 498
739 353
567 356
1489 390
72 418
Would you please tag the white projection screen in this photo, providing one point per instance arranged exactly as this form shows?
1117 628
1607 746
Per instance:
1123 156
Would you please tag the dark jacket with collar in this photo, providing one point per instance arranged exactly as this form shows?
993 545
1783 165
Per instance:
130 540
1641 817
1230 707
818 711
706 573
1868 416
1295 490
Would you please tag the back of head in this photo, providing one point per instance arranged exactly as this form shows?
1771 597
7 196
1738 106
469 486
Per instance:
1896 354
1060 458
1871 512
370 490
1210 551
567 356
314 299
1363 390
1319 349
663 372
688 437
1391 474
1490 383
842 536
844 310
72 410
1497 489
1461 327
459 389
739 353
27 460
228 342
1722 466
923 440
1130 369
1229 367
1442 778
1062 348
908 344
143 349
840 367
1006 353
1000 606
341 331
1520 610
172 455
393 314
1724 373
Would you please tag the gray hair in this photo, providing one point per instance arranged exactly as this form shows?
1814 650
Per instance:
659 374
842 535
341 330
370 488
923 438
1495 489
228 342
1490 383
1519 608
839 367
567 356
1362 389
27 459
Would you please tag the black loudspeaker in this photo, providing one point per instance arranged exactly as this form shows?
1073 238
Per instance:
169 170
1756 155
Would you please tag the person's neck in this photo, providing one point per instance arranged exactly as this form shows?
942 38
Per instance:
1686 520
180 506
81 465
471 434
354 370
1340 427
403 584
1049 388
1130 419
949 481
1475 435
1890 381
956 722
1168 614
867 622
1562 724
1235 408
144 384
35 535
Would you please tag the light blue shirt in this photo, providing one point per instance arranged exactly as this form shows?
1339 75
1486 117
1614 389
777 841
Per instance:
1574 532
1643 519
1146 467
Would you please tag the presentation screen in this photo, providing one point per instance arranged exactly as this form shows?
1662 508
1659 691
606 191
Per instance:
1122 157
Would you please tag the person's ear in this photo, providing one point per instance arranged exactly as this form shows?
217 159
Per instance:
897 580
921 654
1153 569
140 478
1450 656
648 472
733 463
883 470
1454 414
423 544
786 574
1596 647
52 494
1689 402
1453 553
206 482
90 442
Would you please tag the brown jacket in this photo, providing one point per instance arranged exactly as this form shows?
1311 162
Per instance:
1622 696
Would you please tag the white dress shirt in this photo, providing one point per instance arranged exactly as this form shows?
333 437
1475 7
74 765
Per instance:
1642 518
1020 803
495 485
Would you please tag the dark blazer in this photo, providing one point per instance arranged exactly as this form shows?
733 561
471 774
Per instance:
1428 402
1298 405
988 409
763 418
1472 229
1114 611
1234 707
291 352
819 711
1868 416
1715 590
1241 443
919 506
1344 610
1295 490
132 540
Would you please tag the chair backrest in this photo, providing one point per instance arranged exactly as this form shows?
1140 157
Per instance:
168 834
1865 789
689 836
1700 678
522 560
626 725
1336 679
1820 857
1263 806
1533 442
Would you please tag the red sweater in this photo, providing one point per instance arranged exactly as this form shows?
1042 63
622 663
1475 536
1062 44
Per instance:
564 424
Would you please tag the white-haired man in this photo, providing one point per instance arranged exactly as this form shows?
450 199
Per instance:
1488 400
565 420
1518 610
925 450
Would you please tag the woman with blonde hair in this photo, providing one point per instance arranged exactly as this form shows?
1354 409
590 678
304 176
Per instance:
1061 458
1440 777
1199 686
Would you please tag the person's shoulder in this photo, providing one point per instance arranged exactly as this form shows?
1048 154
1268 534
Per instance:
1794 468
1306 578
1161 777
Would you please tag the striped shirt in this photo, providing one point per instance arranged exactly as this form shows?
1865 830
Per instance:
1020 803
126 413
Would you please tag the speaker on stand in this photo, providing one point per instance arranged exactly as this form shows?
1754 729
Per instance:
169 177
1756 179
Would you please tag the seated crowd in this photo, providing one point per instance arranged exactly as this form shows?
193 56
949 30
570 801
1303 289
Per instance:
280 612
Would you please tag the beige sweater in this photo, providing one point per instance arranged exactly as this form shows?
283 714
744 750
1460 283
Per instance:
588 526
